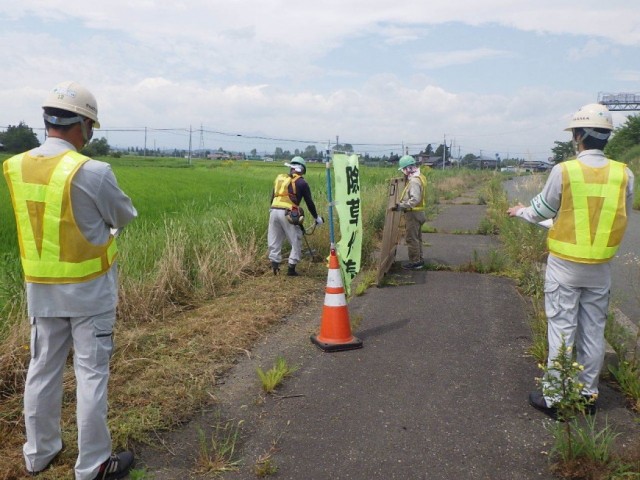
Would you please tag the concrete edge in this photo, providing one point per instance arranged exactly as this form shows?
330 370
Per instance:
611 357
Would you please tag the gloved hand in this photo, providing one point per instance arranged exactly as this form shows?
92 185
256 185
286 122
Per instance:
396 208
319 220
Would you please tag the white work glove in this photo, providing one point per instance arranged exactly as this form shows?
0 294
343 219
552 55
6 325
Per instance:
319 220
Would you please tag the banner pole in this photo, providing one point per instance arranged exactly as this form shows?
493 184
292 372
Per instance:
330 196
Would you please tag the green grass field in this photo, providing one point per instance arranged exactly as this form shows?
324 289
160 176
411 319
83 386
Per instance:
199 208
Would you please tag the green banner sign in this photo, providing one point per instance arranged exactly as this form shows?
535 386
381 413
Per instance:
346 172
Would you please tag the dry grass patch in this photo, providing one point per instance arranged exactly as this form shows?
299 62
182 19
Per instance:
164 370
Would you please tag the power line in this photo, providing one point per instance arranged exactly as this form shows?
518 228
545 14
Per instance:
240 137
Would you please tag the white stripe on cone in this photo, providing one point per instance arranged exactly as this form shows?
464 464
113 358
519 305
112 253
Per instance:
334 279
335 300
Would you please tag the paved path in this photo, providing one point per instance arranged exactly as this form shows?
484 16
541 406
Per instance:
438 391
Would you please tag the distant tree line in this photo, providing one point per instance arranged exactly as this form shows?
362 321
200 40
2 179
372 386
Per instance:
20 138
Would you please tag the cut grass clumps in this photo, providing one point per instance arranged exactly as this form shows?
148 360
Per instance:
493 262
217 451
273 377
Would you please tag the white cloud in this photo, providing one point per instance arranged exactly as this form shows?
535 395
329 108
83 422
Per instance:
433 60
592 48
628 76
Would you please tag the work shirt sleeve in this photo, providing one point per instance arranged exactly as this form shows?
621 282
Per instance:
304 192
413 196
114 205
545 205
630 192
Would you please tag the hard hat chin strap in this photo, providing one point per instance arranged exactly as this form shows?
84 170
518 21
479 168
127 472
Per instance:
86 136
590 132
62 121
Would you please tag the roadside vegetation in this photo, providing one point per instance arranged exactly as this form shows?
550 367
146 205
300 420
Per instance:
274 376
583 448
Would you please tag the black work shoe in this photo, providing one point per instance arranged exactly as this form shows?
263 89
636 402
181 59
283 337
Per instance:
276 267
413 265
291 271
536 400
117 466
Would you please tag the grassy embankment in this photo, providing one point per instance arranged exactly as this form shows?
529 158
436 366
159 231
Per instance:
195 291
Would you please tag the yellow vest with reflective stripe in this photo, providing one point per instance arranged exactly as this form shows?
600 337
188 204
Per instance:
592 217
423 204
53 250
282 198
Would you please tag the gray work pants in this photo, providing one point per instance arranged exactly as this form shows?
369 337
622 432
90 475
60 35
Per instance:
51 339
413 236
279 229
579 315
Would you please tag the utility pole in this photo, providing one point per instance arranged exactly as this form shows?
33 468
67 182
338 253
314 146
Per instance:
145 141
444 150
190 132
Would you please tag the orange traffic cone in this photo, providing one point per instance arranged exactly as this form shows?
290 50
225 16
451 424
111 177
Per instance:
335 329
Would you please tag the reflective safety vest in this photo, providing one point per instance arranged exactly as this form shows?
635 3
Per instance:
592 217
282 196
423 203
53 250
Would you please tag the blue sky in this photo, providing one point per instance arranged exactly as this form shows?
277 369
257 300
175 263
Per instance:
495 76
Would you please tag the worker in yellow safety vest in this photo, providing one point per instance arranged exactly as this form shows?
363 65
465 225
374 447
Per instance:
68 208
413 201
286 216
588 200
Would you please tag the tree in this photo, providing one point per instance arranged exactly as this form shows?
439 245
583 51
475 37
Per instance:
624 137
19 138
562 151
438 152
468 159
254 152
96 147
310 152
429 149
278 153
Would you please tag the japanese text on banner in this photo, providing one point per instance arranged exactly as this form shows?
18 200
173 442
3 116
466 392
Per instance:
346 171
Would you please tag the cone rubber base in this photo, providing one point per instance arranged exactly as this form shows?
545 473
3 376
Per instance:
353 344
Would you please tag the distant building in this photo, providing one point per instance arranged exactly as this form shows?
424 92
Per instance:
536 166
485 162
219 156
432 161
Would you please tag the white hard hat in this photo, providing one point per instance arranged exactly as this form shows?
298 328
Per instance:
73 97
593 115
